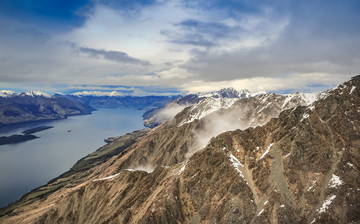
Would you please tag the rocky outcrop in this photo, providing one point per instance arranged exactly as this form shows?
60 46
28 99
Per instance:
301 167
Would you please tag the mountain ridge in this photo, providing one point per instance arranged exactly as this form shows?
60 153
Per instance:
301 166
36 106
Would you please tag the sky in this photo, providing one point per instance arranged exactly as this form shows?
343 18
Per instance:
178 46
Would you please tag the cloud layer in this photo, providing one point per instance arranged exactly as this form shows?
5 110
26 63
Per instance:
189 45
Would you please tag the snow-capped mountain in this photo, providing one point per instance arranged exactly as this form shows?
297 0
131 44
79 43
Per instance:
36 105
6 93
225 93
203 104
256 110
114 99
207 106
35 94
302 166
9 93
97 93
214 100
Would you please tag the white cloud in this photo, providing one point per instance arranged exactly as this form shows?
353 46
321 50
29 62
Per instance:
253 52
293 81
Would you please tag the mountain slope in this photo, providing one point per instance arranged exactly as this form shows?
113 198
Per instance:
206 103
115 101
222 98
37 106
302 167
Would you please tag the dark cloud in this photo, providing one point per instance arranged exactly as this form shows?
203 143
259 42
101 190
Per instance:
198 33
116 56
321 37
213 40
67 12
243 6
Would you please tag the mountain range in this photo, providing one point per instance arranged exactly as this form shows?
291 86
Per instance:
104 100
32 106
18 108
263 158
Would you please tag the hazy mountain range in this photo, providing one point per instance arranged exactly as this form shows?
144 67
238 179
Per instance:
17 108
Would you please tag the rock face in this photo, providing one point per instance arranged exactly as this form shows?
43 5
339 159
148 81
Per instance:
300 167
254 104
157 116
37 106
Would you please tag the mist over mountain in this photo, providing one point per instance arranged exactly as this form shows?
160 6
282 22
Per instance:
246 119
288 159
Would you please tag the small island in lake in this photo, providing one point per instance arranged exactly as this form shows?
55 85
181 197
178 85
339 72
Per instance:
25 136
15 139
36 129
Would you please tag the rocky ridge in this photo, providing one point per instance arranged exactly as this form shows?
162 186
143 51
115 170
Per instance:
205 103
301 167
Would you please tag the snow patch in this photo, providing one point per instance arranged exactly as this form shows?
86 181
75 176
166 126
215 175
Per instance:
304 117
236 164
311 107
307 98
182 169
6 93
326 204
335 181
206 107
262 210
147 169
111 177
352 89
287 155
267 150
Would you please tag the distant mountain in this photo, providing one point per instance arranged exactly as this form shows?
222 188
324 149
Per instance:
32 106
157 116
112 100
300 164
209 102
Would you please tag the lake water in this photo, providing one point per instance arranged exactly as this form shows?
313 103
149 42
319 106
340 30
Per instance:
27 165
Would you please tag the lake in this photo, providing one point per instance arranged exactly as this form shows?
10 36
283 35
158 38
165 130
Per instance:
28 165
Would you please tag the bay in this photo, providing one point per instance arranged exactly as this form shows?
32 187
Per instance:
27 165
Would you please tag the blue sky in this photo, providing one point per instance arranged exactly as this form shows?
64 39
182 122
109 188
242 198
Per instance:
178 44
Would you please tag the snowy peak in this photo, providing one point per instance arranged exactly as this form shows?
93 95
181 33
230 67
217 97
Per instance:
206 107
229 92
35 93
224 93
232 93
9 93
295 99
6 93
97 93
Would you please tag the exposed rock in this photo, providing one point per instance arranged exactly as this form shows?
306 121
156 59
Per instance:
301 167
